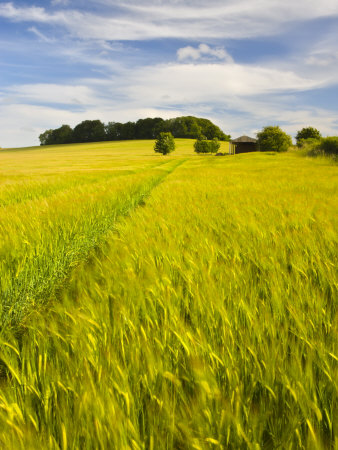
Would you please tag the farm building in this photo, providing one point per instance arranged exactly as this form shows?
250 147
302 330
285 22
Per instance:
243 144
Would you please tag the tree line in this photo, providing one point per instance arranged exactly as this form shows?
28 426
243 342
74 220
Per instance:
94 130
165 144
271 138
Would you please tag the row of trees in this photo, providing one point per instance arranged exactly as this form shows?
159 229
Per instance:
274 139
150 128
165 144
271 138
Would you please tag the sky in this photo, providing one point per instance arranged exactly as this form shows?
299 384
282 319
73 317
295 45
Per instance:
244 64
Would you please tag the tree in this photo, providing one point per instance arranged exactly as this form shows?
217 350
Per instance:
273 139
128 131
202 145
89 131
191 127
112 131
148 128
94 130
215 145
46 137
307 133
165 143
63 135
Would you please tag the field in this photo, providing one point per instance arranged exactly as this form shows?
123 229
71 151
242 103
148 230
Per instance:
178 302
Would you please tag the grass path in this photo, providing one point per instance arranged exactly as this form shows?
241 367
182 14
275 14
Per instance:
57 228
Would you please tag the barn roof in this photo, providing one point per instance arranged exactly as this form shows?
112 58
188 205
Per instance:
244 139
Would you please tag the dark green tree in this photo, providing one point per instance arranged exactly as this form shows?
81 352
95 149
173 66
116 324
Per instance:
114 131
273 139
62 135
46 137
111 131
203 145
89 131
307 133
192 127
127 131
164 143
215 145
148 128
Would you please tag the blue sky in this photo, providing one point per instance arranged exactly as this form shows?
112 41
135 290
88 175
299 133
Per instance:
243 64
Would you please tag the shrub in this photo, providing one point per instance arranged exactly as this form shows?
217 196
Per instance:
310 143
329 145
320 147
273 139
202 145
310 147
165 143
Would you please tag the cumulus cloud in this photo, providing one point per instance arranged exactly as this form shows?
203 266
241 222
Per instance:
191 83
204 80
237 97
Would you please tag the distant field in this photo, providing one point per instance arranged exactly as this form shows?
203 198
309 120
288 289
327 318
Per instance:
152 302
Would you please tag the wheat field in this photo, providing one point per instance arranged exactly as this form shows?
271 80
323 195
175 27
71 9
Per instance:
178 302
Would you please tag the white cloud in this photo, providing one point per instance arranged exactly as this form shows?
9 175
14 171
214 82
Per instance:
204 81
59 2
189 20
324 54
23 123
23 14
52 93
193 83
322 59
203 51
40 35
241 99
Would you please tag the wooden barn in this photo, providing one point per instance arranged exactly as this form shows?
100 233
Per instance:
243 144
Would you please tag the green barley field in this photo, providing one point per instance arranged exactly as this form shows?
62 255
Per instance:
177 302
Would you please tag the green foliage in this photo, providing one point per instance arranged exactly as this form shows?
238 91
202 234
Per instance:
46 137
204 319
89 131
272 138
62 135
329 145
202 145
320 147
309 143
165 143
307 133
148 128
94 130
193 127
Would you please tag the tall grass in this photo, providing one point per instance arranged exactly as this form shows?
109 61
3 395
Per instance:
207 319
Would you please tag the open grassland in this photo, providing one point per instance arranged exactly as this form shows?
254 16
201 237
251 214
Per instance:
154 302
